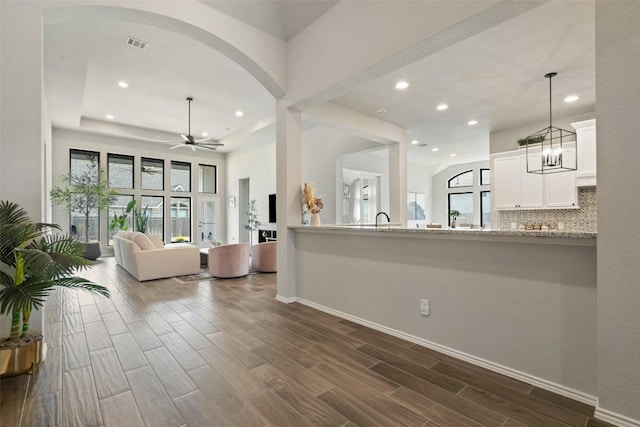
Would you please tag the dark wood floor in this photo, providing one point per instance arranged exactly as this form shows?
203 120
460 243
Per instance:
226 353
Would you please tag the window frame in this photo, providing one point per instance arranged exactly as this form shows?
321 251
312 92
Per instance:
481 210
190 217
163 210
201 180
152 160
179 163
481 180
88 153
449 203
133 168
457 175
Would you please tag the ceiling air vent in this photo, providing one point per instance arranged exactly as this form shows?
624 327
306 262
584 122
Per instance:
136 43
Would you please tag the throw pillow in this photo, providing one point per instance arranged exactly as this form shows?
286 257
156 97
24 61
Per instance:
156 240
143 241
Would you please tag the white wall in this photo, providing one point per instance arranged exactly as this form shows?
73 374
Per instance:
420 180
64 140
322 151
618 95
256 161
441 192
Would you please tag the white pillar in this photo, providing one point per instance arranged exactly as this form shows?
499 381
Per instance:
398 182
288 186
21 104
618 146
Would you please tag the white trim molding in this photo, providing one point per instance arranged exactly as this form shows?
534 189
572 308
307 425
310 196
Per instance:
495 367
286 300
615 418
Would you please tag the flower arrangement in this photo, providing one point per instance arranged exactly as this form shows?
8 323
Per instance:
215 243
313 204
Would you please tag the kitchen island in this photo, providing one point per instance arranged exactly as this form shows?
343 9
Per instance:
522 303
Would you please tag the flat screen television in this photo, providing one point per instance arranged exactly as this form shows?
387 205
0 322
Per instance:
272 208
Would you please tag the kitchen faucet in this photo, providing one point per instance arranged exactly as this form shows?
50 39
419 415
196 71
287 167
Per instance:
382 213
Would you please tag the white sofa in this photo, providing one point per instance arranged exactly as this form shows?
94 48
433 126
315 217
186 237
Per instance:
146 257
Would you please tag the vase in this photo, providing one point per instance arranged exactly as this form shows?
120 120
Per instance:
315 219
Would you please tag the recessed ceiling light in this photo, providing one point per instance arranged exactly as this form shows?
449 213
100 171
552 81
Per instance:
110 116
442 107
472 122
435 149
415 142
205 134
380 110
239 113
402 85
122 83
571 98
453 154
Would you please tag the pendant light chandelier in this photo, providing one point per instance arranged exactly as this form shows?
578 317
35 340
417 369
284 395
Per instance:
547 150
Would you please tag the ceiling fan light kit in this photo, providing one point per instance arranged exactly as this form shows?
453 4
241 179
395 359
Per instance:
545 151
191 142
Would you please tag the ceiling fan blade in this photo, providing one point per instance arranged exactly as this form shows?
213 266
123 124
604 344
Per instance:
215 144
193 148
185 137
205 140
176 146
205 147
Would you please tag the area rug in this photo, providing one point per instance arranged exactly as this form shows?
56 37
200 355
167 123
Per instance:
191 278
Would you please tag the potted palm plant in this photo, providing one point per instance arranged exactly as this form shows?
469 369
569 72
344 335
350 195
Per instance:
85 193
34 259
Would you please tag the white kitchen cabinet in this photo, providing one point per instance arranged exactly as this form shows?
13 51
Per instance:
560 190
587 165
514 187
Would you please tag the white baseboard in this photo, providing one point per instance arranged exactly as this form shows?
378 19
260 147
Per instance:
495 367
615 418
285 299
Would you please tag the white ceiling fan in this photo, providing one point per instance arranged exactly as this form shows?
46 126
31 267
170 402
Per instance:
190 141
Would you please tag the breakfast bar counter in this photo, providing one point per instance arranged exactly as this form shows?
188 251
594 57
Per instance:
522 303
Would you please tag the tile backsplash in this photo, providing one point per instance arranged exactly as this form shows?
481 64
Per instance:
583 219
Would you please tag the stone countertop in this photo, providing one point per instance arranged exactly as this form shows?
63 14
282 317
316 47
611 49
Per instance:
533 236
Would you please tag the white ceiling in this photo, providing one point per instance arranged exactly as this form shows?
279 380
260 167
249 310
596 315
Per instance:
495 77
281 18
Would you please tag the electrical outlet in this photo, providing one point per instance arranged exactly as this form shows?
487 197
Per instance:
424 307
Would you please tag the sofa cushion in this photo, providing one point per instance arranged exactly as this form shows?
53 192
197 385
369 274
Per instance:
126 234
143 241
156 240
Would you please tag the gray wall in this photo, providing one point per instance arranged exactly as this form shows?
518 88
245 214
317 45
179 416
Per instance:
618 94
528 306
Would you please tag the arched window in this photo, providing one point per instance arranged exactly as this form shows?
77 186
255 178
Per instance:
463 179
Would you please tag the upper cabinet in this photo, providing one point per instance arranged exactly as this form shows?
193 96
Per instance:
514 188
587 167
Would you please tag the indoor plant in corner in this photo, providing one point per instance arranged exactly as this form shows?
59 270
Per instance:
253 222
85 193
34 258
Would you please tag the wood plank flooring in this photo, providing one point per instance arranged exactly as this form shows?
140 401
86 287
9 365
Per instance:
226 353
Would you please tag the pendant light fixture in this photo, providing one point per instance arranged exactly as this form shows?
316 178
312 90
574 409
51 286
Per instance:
547 150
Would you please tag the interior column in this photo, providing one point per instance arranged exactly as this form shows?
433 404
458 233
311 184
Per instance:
289 201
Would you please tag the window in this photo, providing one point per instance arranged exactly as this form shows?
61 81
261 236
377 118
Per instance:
155 210
84 165
117 207
416 203
464 179
152 174
180 176
120 171
180 219
485 176
485 208
207 179
463 203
